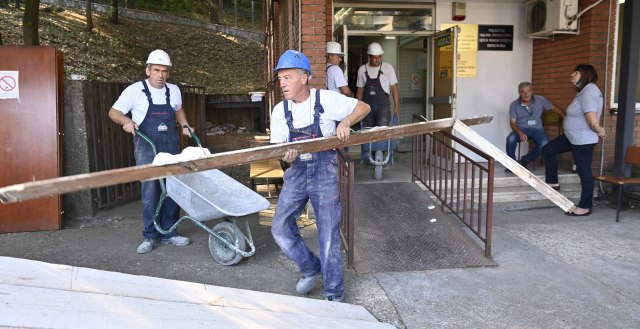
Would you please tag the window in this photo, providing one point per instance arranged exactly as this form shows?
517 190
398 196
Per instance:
616 82
373 17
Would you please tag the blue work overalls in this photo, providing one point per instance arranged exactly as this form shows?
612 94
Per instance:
378 99
311 177
159 125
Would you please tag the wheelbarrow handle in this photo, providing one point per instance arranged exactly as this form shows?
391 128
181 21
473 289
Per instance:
148 140
153 146
195 138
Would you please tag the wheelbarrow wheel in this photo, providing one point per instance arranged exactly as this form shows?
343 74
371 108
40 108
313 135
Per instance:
220 251
377 172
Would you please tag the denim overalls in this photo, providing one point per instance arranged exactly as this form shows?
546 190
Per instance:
311 176
159 125
378 99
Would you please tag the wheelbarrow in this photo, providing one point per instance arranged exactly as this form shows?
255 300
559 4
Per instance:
210 195
379 153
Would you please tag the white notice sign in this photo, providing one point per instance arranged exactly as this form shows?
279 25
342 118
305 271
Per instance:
9 85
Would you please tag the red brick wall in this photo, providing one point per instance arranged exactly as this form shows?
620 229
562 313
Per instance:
554 61
314 38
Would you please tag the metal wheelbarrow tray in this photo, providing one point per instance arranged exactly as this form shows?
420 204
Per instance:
210 195
378 153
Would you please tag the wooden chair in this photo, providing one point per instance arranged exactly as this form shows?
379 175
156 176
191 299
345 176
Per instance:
632 158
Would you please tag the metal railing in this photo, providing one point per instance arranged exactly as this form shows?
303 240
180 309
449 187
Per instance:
346 181
462 184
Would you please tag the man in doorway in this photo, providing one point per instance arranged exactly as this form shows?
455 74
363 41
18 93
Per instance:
155 107
335 75
376 80
309 113
525 119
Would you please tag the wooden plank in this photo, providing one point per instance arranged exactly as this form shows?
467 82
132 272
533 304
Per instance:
36 274
49 187
29 307
531 179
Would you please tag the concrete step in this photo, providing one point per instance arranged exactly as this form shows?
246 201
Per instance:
528 193
510 180
39 295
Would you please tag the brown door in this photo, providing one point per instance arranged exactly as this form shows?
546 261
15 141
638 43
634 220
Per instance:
445 53
31 98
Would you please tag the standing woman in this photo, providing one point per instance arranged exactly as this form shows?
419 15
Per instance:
581 131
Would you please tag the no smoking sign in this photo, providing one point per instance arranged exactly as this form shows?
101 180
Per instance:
9 85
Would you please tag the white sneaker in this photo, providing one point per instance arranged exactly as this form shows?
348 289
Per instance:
147 245
306 283
176 241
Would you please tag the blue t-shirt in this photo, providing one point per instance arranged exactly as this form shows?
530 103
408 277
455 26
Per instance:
529 116
576 127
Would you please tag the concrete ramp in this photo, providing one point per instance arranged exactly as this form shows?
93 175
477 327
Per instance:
37 294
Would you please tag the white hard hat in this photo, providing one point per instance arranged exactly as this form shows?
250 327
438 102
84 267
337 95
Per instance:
334 48
375 49
159 57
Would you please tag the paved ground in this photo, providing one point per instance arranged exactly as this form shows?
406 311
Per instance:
554 271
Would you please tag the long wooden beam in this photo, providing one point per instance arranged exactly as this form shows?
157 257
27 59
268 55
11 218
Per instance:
67 184
531 179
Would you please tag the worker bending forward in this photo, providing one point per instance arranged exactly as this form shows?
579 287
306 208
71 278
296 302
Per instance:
309 113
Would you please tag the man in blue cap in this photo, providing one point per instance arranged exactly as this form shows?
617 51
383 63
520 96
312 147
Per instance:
309 113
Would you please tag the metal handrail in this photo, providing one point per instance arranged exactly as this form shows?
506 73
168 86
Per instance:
347 224
456 179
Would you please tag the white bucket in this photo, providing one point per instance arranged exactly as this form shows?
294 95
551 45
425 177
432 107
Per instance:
257 96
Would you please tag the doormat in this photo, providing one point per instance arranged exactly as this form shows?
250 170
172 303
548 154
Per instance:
395 231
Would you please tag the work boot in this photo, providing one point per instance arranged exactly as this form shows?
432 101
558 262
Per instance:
176 241
306 283
337 299
524 163
147 245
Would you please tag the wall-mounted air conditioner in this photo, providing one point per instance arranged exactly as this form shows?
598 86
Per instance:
549 17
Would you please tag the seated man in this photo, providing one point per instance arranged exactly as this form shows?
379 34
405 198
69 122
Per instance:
525 119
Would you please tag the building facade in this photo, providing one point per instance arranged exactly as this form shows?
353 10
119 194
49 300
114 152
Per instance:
487 79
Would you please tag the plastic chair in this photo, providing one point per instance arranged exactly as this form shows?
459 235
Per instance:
632 158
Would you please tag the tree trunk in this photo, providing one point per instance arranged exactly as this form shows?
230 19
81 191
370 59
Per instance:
114 12
129 4
30 23
17 4
213 11
88 9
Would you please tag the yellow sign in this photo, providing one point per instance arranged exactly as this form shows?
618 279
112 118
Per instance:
467 49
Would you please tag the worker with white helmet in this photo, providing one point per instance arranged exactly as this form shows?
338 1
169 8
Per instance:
309 113
156 109
376 80
335 75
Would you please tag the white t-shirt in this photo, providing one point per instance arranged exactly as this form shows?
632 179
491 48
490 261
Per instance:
335 78
336 108
135 101
387 78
